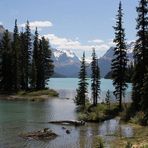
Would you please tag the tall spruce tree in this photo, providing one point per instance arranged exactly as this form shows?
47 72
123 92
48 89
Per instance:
119 62
47 62
6 63
16 58
144 101
140 55
80 98
0 66
34 69
95 78
22 61
27 55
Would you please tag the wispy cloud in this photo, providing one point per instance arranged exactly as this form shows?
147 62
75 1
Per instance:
1 23
64 43
39 24
97 41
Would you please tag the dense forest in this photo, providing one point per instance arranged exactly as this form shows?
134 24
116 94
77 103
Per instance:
25 61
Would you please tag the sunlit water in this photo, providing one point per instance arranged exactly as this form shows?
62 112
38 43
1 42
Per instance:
23 116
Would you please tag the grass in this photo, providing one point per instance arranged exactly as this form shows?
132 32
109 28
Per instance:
38 95
98 113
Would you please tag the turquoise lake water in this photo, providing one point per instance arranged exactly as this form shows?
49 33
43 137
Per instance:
18 117
70 84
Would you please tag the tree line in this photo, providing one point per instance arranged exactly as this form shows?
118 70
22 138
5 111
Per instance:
120 67
25 60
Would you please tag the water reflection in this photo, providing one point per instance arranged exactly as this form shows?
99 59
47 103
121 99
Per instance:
22 116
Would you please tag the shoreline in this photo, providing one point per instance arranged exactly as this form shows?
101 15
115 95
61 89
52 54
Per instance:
38 95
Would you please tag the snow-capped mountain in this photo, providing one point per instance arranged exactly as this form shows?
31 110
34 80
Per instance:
66 62
105 60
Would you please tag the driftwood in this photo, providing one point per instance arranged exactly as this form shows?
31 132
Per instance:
68 122
39 135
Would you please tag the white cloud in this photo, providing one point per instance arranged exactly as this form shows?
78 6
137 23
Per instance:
110 42
64 43
38 24
1 23
98 41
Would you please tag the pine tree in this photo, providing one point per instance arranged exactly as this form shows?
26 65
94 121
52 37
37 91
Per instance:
108 98
34 70
27 55
0 66
144 101
48 67
16 58
95 78
119 63
80 98
22 61
6 63
140 54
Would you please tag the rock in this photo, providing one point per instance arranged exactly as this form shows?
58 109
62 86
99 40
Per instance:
40 135
67 131
63 127
46 129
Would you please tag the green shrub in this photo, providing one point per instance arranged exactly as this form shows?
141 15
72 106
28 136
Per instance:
99 142
129 145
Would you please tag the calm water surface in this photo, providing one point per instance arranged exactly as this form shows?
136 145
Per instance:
23 116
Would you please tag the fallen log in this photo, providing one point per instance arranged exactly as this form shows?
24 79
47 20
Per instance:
69 122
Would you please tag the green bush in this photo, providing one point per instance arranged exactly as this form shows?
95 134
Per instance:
129 145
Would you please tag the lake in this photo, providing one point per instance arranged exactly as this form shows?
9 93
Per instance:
23 116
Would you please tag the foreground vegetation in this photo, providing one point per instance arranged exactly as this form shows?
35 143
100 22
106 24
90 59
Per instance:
39 95
139 138
98 113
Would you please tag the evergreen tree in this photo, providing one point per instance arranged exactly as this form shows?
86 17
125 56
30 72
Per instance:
48 67
140 54
27 55
16 58
95 78
107 99
34 70
82 86
119 63
0 66
6 63
22 61
144 101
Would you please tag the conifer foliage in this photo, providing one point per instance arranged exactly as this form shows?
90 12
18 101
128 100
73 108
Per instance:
80 98
6 82
119 62
23 65
141 57
95 78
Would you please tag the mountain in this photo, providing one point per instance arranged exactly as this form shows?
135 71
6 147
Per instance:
105 60
66 63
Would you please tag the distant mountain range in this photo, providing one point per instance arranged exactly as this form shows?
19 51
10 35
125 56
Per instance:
67 64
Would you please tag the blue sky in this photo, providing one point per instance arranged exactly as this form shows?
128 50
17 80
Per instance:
72 24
